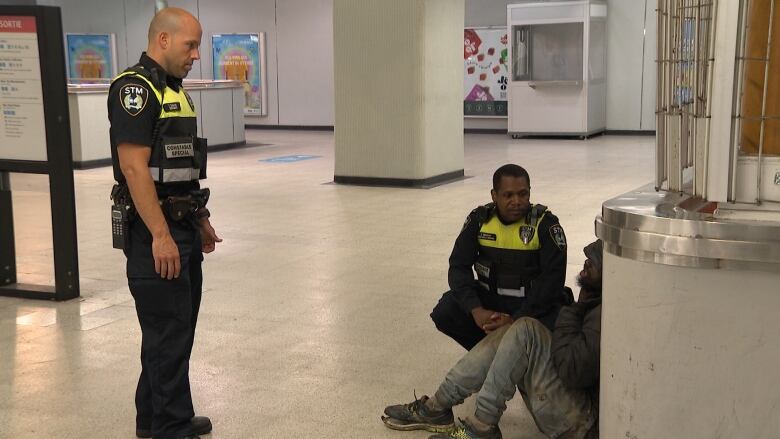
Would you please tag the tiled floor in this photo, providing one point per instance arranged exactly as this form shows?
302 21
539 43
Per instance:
315 311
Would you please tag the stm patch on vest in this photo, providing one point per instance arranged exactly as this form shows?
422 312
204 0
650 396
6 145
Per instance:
178 147
557 235
133 98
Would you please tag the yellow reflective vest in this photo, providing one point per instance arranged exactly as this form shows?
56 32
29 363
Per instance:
509 253
178 154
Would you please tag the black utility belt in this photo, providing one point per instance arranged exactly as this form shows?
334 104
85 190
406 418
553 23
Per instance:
177 208
174 208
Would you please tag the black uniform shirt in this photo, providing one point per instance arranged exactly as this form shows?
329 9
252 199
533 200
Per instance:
546 290
133 108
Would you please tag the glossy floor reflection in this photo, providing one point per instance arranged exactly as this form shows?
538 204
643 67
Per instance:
315 310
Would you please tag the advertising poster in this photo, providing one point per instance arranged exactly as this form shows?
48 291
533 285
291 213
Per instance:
683 93
90 56
237 57
485 54
22 128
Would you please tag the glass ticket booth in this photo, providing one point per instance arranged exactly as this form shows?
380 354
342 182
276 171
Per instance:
558 62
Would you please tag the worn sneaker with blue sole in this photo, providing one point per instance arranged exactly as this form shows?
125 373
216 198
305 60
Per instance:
466 431
415 416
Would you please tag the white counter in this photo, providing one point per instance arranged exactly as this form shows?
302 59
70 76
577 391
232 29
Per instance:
219 104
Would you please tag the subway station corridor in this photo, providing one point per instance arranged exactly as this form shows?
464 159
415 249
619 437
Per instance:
315 306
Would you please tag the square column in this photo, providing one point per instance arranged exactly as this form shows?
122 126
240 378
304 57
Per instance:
398 91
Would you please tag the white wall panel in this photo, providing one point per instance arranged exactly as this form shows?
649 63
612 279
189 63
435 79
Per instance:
650 71
487 12
305 56
625 24
79 16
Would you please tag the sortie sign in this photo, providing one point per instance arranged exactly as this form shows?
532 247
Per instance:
17 24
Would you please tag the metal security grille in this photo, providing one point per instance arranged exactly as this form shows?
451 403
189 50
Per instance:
686 36
757 122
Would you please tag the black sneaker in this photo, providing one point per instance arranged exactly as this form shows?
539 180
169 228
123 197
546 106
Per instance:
466 431
415 416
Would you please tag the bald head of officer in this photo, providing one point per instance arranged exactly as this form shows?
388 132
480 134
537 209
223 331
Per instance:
174 41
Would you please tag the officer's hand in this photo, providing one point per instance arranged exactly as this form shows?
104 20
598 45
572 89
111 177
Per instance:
166 256
208 236
497 320
482 316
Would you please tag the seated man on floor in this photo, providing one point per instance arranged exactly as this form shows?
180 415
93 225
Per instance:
556 373
518 251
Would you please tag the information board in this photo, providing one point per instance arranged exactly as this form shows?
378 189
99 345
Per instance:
22 127
35 138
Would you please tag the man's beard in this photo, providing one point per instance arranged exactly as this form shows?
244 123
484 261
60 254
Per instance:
589 284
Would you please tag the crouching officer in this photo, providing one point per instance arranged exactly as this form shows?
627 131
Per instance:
518 251
160 218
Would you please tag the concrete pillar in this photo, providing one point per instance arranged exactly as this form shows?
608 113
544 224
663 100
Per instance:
689 352
399 91
690 339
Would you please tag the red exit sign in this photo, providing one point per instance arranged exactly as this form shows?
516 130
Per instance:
19 24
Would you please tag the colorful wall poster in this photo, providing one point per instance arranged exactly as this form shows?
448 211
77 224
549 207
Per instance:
90 56
485 55
683 93
241 57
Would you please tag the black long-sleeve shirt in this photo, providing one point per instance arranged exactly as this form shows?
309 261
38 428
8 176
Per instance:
546 289
576 350
576 344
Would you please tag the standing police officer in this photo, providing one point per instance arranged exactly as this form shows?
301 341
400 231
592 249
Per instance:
160 219
518 251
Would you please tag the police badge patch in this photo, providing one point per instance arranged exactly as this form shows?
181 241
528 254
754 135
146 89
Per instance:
133 98
465 223
557 235
526 234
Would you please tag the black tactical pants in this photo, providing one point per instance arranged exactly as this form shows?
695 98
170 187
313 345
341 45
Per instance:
458 324
167 311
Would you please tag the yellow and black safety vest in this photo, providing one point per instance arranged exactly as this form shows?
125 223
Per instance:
178 154
509 253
